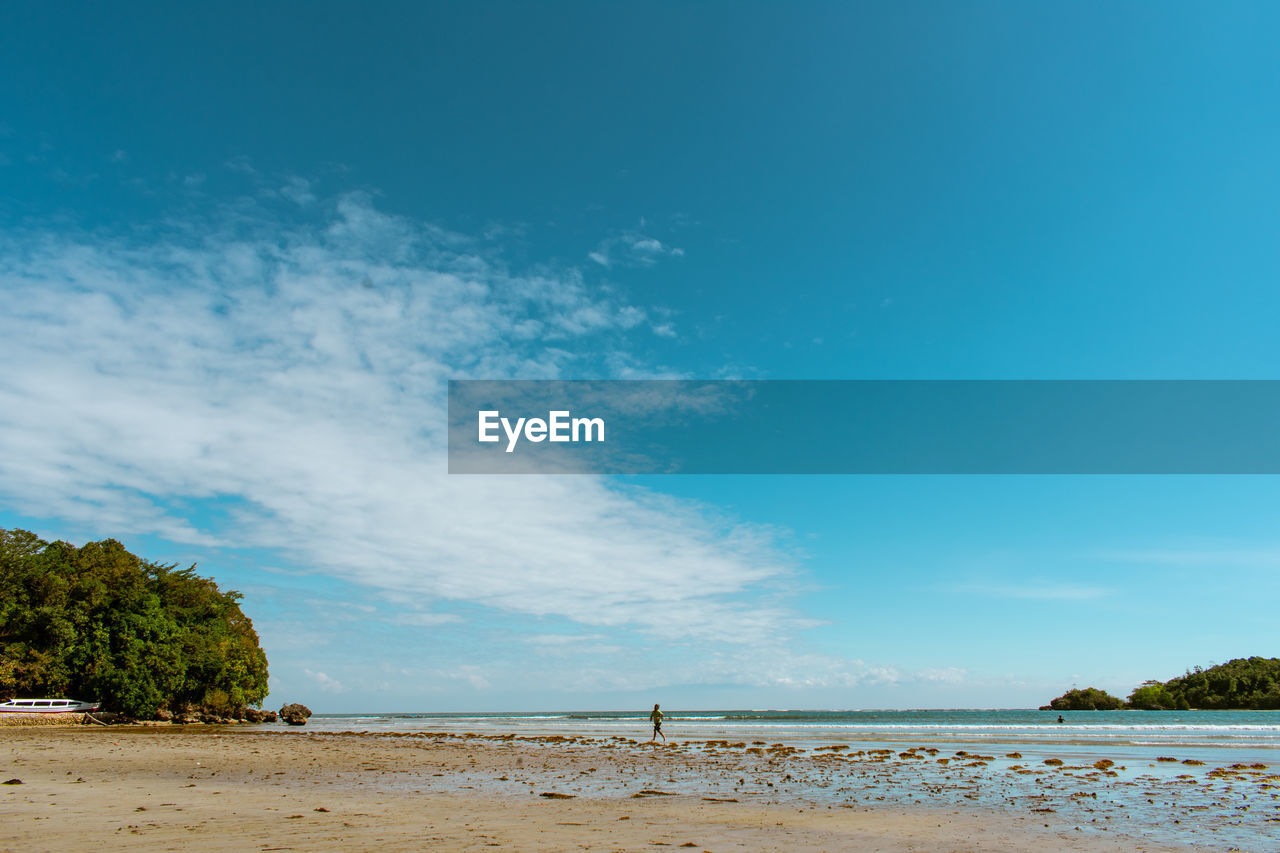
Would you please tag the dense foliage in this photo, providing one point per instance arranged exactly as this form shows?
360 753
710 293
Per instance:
97 622
1153 696
1244 683
1241 684
1088 699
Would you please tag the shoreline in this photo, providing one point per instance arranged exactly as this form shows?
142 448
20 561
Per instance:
64 720
209 788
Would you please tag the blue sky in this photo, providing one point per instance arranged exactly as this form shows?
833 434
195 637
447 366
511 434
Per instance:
243 249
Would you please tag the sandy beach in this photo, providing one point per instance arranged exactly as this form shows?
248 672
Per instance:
201 788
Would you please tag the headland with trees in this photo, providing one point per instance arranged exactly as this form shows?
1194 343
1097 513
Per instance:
143 638
1241 684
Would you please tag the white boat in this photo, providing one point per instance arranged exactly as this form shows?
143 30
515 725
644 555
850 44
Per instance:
46 706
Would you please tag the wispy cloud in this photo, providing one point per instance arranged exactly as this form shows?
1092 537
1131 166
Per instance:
324 682
298 373
298 191
250 381
632 248
241 165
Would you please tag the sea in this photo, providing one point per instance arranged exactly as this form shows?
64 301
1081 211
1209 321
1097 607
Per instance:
1224 735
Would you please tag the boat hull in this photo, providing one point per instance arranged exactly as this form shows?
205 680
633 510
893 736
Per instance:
46 706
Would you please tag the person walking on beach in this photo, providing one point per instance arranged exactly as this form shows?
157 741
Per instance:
656 717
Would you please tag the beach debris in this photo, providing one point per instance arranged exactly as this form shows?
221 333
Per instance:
11 782
1053 762
555 795
295 714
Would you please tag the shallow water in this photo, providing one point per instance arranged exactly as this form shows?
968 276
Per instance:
1249 731
1218 785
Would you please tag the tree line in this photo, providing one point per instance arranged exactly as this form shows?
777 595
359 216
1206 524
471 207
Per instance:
97 622
1241 684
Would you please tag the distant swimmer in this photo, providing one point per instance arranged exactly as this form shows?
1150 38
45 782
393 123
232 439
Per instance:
656 718
1060 719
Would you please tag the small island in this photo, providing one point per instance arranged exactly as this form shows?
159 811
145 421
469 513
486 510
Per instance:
1243 684
146 640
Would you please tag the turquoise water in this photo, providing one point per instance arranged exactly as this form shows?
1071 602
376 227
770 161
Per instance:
1232 731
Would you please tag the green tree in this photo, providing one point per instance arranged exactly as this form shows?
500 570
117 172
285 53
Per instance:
1152 696
1244 683
97 621
1088 699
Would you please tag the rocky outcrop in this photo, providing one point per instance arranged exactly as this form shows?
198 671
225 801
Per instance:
216 716
108 718
295 714
211 718
186 714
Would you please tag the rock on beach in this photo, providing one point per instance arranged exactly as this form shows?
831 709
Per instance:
295 714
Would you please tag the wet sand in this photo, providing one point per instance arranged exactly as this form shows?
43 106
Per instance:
204 788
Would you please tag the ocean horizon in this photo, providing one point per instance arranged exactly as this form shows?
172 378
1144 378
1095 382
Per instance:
1130 732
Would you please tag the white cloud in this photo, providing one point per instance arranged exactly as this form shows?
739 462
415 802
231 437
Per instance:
471 675
298 375
943 674
562 639
241 165
298 191
324 682
648 245
632 248
427 620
